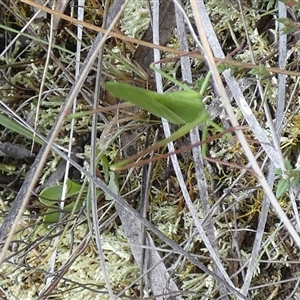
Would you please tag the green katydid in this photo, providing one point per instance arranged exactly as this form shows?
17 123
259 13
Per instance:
181 108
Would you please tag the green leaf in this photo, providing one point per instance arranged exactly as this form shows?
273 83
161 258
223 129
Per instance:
294 182
52 194
105 167
282 187
222 67
177 107
73 206
51 216
73 188
113 185
287 165
294 173
278 171
261 71
290 26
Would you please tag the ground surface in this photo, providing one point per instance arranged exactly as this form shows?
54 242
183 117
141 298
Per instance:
212 215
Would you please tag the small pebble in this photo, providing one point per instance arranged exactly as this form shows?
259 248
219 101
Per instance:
15 151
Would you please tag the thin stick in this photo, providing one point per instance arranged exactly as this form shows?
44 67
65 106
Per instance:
56 130
151 45
179 151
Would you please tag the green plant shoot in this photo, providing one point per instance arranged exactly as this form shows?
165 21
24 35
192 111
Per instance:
181 108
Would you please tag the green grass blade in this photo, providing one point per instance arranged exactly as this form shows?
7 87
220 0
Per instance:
16 127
